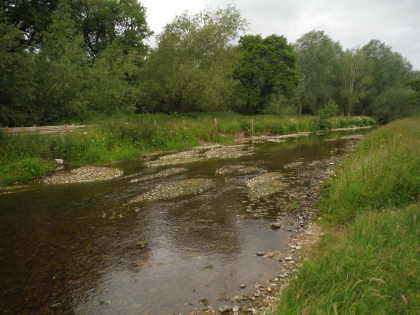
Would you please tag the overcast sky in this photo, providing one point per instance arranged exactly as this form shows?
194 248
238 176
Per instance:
352 22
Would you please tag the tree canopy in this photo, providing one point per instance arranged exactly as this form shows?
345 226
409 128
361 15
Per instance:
68 60
267 68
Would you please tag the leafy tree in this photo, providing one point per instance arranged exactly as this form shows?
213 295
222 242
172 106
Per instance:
386 70
17 82
30 17
318 61
62 69
355 78
266 70
103 22
191 69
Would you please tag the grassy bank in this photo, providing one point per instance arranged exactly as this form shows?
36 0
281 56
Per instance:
368 263
126 137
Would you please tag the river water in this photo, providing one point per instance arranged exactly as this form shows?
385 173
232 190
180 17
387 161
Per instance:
81 249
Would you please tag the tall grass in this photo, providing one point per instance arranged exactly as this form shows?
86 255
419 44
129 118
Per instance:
383 172
126 137
369 261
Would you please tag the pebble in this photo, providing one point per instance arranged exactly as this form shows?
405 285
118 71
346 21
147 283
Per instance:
243 286
260 254
275 226
225 309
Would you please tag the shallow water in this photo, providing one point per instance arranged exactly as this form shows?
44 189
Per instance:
82 249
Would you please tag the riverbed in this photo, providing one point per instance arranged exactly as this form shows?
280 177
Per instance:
122 247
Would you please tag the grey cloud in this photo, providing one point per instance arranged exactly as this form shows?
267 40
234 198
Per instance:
353 23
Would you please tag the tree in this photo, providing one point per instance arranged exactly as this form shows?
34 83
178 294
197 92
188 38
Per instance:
318 62
385 70
191 69
62 69
30 17
266 69
103 22
17 82
354 78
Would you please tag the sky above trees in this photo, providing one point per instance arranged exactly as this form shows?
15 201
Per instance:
352 22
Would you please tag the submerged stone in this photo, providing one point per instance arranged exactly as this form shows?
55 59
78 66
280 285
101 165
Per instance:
176 158
83 175
232 170
164 173
180 188
5 190
199 154
228 152
293 165
265 185
353 137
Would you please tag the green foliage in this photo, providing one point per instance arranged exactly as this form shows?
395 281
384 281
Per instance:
370 269
266 71
191 68
318 60
384 72
17 82
84 59
104 23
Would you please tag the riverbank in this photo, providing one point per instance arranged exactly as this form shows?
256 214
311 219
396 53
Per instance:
367 261
25 157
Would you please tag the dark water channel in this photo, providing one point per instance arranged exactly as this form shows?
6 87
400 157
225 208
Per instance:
80 249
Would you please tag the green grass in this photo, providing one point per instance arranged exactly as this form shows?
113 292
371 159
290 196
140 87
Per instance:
368 262
127 137
383 172
372 268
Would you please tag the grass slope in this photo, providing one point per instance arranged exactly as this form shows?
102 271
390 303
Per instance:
369 262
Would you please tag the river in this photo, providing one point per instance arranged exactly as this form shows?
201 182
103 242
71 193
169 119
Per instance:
85 249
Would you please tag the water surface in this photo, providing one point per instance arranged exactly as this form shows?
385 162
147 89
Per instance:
80 249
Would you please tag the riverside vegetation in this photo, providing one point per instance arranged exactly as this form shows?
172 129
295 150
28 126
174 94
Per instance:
368 260
23 157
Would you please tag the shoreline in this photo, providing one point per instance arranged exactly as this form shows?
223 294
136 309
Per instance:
238 141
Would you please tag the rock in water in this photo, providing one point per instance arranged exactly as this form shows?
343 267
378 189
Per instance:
176 158
164 173
232 170
180 188
225 309
84 175
265 185
275 226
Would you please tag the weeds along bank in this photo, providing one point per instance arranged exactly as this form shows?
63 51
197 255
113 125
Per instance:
369 262
126 137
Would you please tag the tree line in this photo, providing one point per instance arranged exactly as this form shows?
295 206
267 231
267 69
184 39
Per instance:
65 61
